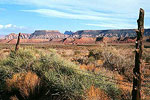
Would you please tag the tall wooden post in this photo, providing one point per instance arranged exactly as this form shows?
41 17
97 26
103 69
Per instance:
18 42
136 92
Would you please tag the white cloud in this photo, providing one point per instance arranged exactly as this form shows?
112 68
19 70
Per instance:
105 5
111 11
10 28
114 13
113 6
113 26
1 26
82 16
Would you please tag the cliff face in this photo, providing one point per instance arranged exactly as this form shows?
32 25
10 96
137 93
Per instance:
47 34
68 32
108 33
38 34
54 34
79 37
15 36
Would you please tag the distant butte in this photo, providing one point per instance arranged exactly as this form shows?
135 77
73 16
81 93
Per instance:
79 37
47 34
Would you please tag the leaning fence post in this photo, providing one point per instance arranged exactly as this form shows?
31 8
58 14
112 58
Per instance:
136 92
18 42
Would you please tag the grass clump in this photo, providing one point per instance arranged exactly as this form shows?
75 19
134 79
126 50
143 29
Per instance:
27 84
96 94
59 79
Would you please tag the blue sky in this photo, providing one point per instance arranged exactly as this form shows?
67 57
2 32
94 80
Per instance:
29 15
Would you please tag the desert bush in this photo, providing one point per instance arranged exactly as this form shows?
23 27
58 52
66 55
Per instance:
115 59
95 53
64 78
61 79
19 61
91 60
26 84
73 86
88 67
96 94
4 53
146 55
13 98
77 52
82 60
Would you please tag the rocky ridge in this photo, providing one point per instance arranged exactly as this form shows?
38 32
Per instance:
47 34
79 37
109 33
15 36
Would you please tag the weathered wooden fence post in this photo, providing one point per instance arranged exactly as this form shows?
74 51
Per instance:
136 92
18 42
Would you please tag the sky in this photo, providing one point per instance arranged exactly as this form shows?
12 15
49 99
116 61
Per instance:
26 16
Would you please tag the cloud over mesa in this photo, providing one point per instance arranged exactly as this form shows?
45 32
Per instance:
79 14
10 28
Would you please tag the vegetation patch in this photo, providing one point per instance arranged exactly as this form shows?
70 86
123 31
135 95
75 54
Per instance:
53 76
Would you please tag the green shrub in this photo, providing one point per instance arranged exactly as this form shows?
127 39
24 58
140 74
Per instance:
61 79
115 59
146 55
77 52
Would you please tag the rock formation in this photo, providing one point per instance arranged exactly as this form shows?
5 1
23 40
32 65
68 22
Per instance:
79 37
47 34
15 36
68 32
108 33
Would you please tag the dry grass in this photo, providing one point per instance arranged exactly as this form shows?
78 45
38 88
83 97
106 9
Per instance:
100 62
96 94
13 98
88 67
115 59
125 86
4 53
25 83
